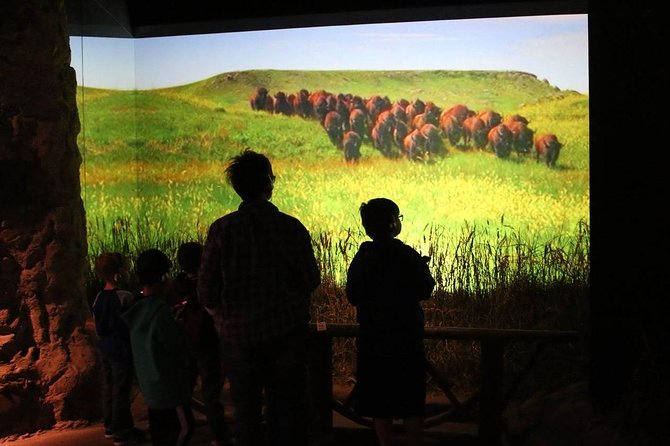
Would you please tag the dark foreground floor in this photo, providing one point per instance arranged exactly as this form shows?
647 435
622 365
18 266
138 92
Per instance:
345 433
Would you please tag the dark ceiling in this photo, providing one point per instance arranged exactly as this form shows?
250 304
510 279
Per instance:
153 18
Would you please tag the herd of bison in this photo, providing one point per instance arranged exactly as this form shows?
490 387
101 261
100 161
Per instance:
415 130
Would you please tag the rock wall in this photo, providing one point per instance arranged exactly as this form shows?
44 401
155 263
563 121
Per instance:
48 360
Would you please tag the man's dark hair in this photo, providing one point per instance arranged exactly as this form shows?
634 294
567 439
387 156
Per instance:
250 174
151 267
378 215
188 256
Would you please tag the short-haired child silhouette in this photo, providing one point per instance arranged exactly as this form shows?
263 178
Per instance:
114 340
386 281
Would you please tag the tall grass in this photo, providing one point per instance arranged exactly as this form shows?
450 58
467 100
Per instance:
501 280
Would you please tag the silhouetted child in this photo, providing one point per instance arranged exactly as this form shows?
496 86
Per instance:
114 340
386 281
159 350
201 339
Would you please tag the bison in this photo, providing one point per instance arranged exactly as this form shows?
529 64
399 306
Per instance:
382 138
547 148
281 104
475 132
320 108
433 144
400 130
351 143
491 118
423 118
459 111
259 99
516 118
301 105
451 128
413 145
398 112
500 138
334 128
358 122
522 137
375 105
414 108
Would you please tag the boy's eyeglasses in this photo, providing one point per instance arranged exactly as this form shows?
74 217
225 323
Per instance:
400 217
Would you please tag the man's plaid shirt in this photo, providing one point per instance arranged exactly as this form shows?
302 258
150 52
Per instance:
257 273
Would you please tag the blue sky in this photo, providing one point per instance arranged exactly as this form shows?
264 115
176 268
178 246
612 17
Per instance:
554 48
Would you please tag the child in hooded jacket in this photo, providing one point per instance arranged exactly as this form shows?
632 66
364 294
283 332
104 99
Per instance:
159 351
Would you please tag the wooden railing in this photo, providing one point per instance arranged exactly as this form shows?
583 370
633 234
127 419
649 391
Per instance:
491 398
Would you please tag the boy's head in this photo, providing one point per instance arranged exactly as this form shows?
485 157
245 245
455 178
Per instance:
152 267
188 256
111 266
381 218
251 176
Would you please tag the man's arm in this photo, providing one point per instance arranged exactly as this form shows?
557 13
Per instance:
209 274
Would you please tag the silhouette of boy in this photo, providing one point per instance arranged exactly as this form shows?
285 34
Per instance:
117 358
386 281
159 350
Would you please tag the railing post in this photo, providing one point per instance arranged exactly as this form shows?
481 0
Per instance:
491 396
321 384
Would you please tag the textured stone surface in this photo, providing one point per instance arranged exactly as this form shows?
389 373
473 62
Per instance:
48 361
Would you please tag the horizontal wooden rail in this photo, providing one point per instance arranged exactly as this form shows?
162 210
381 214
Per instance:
456 333
492 341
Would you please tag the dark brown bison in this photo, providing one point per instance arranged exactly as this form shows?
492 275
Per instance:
259 99
281 104
398 112
358 122
413 145
333 125
342 107
414 108
400 130
547 148
522 137
270 104
451 128
491 118
500 139
357 102
382 138
475 132
301 105
459 111
320 108
351 143
319 102
515 118
432 112
402 102
424 118
376 105
433 144
386 117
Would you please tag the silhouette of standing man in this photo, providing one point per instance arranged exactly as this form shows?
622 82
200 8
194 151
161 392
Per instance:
256 277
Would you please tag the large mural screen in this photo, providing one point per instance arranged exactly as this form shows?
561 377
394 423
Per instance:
477 128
